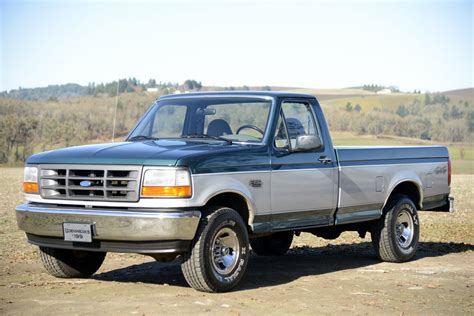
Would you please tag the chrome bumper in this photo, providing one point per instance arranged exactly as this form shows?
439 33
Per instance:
111 225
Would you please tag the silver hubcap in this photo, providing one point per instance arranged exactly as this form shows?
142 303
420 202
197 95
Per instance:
225 250
404 229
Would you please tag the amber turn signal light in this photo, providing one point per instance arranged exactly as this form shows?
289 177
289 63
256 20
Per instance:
30 187
176 191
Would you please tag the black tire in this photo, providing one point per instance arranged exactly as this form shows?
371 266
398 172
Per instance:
276 244
201 265
64 263
389 237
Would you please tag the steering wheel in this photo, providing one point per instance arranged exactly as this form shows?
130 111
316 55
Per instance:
251 127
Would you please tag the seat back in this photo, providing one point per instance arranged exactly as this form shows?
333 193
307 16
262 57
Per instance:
295 127
219 127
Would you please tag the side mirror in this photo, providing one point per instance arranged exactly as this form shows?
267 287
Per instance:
307 142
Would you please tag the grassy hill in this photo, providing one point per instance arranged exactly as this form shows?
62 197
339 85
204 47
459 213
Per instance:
467 94
28 126
332 94
388 102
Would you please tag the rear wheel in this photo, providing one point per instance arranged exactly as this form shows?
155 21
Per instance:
396 235
64 263
220 253
276 244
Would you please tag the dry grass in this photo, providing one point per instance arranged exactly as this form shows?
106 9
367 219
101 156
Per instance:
13 246
436 227
388 102
443 228
344 273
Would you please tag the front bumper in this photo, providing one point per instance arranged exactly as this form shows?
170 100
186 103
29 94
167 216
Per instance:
113 229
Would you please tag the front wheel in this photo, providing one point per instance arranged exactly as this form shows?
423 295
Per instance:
220 253
64 263
395 236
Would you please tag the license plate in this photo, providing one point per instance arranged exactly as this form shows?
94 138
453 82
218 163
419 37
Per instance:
77 232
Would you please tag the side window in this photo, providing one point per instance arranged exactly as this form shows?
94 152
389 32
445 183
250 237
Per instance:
299 120
281 136
169 121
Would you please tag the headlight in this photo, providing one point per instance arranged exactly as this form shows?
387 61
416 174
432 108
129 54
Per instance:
166 183
30 180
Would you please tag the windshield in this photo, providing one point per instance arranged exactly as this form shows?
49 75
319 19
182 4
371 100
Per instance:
234 119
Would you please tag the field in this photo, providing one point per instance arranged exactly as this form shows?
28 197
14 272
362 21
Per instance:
370 102
317 276
31 126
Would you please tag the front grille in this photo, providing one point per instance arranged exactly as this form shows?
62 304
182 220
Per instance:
90 182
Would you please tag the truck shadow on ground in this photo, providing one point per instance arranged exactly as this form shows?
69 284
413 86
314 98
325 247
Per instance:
271 271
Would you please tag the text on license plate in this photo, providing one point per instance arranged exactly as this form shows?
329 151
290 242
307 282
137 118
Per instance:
78 232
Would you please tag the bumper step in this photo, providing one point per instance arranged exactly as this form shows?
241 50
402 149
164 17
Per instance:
144 247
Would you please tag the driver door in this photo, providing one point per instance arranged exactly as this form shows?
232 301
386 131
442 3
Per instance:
303 183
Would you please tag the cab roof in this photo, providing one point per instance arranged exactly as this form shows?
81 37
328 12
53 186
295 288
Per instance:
273 94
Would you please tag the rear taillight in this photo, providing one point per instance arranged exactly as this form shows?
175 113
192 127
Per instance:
449 172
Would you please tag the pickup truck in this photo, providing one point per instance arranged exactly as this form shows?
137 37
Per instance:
203 177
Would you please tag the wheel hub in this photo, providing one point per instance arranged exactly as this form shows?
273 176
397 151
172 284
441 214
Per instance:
404 229
225 250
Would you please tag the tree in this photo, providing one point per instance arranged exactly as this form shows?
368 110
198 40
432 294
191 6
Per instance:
151 83
470 122
123 85
402 111
455 112
349 107
358 108
427 99
192 85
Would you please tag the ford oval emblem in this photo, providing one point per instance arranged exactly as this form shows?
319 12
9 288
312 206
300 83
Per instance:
85 184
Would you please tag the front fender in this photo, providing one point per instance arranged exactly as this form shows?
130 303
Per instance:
209 185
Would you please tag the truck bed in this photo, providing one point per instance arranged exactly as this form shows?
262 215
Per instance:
367 176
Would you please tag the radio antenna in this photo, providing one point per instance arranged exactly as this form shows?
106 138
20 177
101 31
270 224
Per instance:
115 111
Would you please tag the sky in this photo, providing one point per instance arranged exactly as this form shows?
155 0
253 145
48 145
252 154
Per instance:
423 45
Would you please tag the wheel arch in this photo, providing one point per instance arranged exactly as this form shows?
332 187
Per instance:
410 187
236 200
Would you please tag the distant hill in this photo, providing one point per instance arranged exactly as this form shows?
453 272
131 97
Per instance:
33 120
45 93
466 94
330 94
56 92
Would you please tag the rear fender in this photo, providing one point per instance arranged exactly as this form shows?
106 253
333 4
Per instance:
402 177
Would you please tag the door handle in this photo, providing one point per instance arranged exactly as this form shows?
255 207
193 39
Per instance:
325 160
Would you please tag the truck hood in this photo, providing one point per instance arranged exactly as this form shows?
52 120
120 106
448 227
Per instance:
154 153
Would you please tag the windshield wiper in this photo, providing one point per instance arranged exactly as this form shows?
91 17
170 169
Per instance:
142 137
208 136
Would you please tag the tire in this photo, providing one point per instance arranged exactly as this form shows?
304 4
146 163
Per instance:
207 269
273 245
64 263
392 237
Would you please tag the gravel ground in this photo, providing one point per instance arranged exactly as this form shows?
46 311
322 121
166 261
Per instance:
317 276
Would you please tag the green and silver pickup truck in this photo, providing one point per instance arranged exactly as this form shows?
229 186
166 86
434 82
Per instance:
206 177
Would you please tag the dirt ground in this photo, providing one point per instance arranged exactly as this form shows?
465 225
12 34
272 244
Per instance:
317 276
